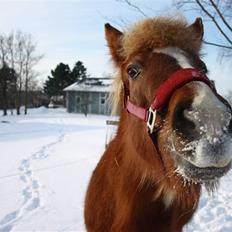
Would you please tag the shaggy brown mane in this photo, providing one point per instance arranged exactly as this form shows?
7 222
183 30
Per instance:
159 33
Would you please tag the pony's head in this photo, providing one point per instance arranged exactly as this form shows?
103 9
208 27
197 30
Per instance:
192 122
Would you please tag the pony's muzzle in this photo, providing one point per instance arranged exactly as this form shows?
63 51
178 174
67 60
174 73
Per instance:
208 121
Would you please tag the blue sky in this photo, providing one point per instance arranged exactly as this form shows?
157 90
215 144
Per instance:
67 31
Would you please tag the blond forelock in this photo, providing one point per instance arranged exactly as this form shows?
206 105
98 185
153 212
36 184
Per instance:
158 33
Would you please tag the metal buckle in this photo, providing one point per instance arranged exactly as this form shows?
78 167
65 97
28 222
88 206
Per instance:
151 120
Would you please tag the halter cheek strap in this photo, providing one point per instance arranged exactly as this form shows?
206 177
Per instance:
164 92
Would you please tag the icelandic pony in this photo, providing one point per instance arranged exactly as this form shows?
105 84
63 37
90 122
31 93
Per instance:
174 132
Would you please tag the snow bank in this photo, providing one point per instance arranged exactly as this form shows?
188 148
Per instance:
46 160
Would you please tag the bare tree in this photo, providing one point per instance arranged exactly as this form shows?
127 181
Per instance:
3 79
31 59
20 59
3 50
18 51
219 14
134 6
15 59
11 63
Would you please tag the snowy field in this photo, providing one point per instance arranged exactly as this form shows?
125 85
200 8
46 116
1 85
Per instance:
46 160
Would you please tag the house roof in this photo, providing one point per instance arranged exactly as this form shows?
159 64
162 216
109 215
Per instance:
91 84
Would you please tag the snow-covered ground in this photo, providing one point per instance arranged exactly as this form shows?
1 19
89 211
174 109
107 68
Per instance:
46 160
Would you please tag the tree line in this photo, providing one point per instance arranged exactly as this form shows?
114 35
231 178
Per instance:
18 78
18 57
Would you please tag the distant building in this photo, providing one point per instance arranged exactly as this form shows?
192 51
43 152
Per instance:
89 96
56 101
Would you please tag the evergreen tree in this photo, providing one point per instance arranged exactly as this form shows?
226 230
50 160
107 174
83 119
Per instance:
59 79
78 72
7 86
62 77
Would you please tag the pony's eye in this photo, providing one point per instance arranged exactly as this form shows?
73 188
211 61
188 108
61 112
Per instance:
133 71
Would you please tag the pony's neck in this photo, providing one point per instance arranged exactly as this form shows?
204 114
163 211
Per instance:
151 170
138 146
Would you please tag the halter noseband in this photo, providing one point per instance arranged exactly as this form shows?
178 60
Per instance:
164 92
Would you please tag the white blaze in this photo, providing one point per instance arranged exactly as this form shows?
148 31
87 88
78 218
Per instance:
176 53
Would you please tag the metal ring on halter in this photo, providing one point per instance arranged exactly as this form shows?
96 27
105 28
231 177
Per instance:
151 120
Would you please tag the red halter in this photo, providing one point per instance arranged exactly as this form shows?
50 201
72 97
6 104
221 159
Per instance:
165 91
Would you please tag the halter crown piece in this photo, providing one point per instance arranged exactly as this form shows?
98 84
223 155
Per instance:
164 92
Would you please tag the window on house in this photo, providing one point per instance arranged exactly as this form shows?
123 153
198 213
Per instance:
103 98
78 99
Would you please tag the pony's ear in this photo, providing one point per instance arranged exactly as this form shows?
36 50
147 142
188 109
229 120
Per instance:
198 28
113 37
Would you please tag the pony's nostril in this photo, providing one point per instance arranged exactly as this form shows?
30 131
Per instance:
230 127
183 120
187 119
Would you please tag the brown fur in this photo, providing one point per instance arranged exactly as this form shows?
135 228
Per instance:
134 187
159 33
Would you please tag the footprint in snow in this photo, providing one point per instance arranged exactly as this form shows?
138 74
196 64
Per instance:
29 172
23 178
9 217
7 228
27 194
35 184
25 163
34 204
